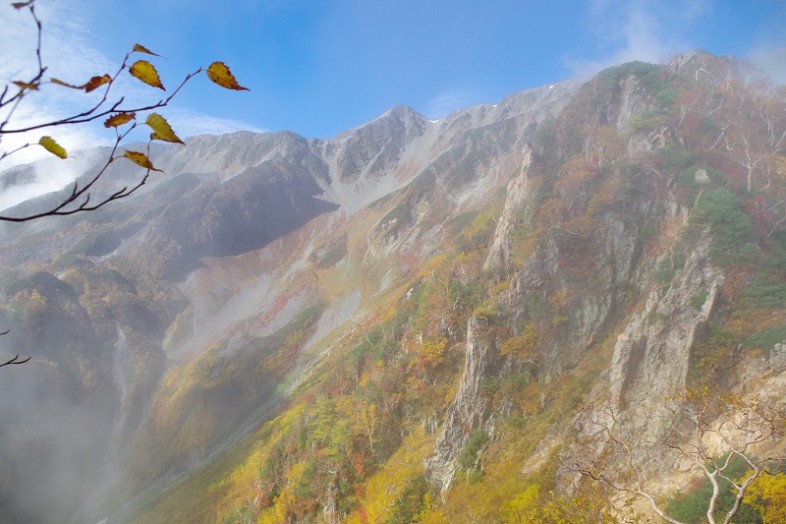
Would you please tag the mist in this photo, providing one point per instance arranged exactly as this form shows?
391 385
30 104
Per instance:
48 176
55 427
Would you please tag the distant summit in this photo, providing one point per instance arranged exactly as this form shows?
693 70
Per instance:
705 66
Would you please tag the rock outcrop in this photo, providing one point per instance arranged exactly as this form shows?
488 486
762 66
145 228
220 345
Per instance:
651 361
468 411
652 354
498 259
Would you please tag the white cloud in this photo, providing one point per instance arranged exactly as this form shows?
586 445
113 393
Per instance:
772 61
70 55
50 175
769 50
194 123
650 31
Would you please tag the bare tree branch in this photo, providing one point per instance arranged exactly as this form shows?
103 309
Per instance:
736 426
80 199
15 360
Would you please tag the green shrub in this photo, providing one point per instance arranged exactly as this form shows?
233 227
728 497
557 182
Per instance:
410 502
687 181
677 159
730 227
537 307
712 356
697 300
469 454
691 507
650 76
458 223
332 257
766 338
488 312
668 266
464 295
767 290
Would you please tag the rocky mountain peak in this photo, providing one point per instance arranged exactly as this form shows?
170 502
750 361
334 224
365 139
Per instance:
402 113
704 66
374 147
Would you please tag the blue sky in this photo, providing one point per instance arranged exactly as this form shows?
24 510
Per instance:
318 67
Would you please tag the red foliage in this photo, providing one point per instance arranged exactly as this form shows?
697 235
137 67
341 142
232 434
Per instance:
735 173
265 500
278 305
761 215
359 463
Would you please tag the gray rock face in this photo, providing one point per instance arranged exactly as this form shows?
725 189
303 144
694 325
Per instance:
652 353
376 146
593 303
239 215
249 230
468 411
778 357
213 249
707 68
651 359
633 101
498 259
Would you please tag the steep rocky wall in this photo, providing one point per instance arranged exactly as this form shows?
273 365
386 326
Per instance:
468 411
651 355
498 259
650 363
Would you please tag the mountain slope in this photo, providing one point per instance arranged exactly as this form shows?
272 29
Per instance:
413 320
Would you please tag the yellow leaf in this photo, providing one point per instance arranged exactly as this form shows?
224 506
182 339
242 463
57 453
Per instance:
140 159
161 129
219 73
119 119
26 85
91 85
65 84
144 71
96 82
53 147
139 48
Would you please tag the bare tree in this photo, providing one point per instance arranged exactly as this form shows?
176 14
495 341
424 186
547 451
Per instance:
110 107
712 433
15 359
752 129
